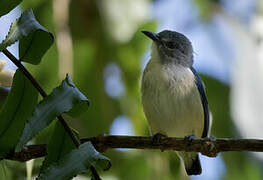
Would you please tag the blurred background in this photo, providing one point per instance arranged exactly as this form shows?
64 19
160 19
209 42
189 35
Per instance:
100 44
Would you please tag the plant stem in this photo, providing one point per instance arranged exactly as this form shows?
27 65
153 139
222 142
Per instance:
44 94
25 72
94 173
41 91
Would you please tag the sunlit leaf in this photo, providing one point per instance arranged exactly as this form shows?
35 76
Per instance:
64 99
18 108
35 40
59 145
76 162
8 5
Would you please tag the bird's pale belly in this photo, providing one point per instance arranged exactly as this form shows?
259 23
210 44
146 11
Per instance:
170 109
173 116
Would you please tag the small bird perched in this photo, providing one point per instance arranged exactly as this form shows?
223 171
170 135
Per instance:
173 94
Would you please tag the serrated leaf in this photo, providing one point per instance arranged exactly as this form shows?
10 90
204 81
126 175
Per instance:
58 146
76 162
35 40
8 5
64 99
19 106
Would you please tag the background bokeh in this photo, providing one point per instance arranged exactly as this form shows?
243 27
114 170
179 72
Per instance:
100 44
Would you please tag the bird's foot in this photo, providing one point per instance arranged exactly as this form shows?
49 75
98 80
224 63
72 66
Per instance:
211 149
189 139
210 138
213 138
157 138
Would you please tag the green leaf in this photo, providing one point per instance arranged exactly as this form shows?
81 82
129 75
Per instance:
35 40
64 99
8 5
3 95
19 106
76 162
59 145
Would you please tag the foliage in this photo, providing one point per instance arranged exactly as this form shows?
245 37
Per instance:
75 162
7 6
29 33
59 140
16 111
64 99
22 119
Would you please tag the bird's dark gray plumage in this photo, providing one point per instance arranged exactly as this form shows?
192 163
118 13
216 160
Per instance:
200 85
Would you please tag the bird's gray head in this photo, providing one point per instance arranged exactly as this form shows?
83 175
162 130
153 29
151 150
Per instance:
172 47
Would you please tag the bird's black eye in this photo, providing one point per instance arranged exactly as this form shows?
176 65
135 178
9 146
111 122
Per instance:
170 45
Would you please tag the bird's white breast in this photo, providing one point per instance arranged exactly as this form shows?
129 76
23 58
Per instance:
171 100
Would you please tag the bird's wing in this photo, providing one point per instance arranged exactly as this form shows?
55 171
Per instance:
201 89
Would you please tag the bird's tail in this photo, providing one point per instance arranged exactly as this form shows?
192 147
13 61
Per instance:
191 163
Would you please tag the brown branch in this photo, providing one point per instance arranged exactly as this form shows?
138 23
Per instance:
207 146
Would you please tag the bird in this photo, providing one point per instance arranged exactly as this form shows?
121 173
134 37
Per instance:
173 94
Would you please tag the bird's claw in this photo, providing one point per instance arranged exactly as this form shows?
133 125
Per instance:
157 138
211 149
189 139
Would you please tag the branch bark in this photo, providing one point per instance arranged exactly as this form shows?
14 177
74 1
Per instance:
208 146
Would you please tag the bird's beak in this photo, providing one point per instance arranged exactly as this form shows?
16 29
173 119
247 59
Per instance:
155 37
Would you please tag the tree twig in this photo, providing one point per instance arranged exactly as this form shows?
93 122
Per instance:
208 147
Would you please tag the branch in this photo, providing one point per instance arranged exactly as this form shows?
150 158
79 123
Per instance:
208 146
